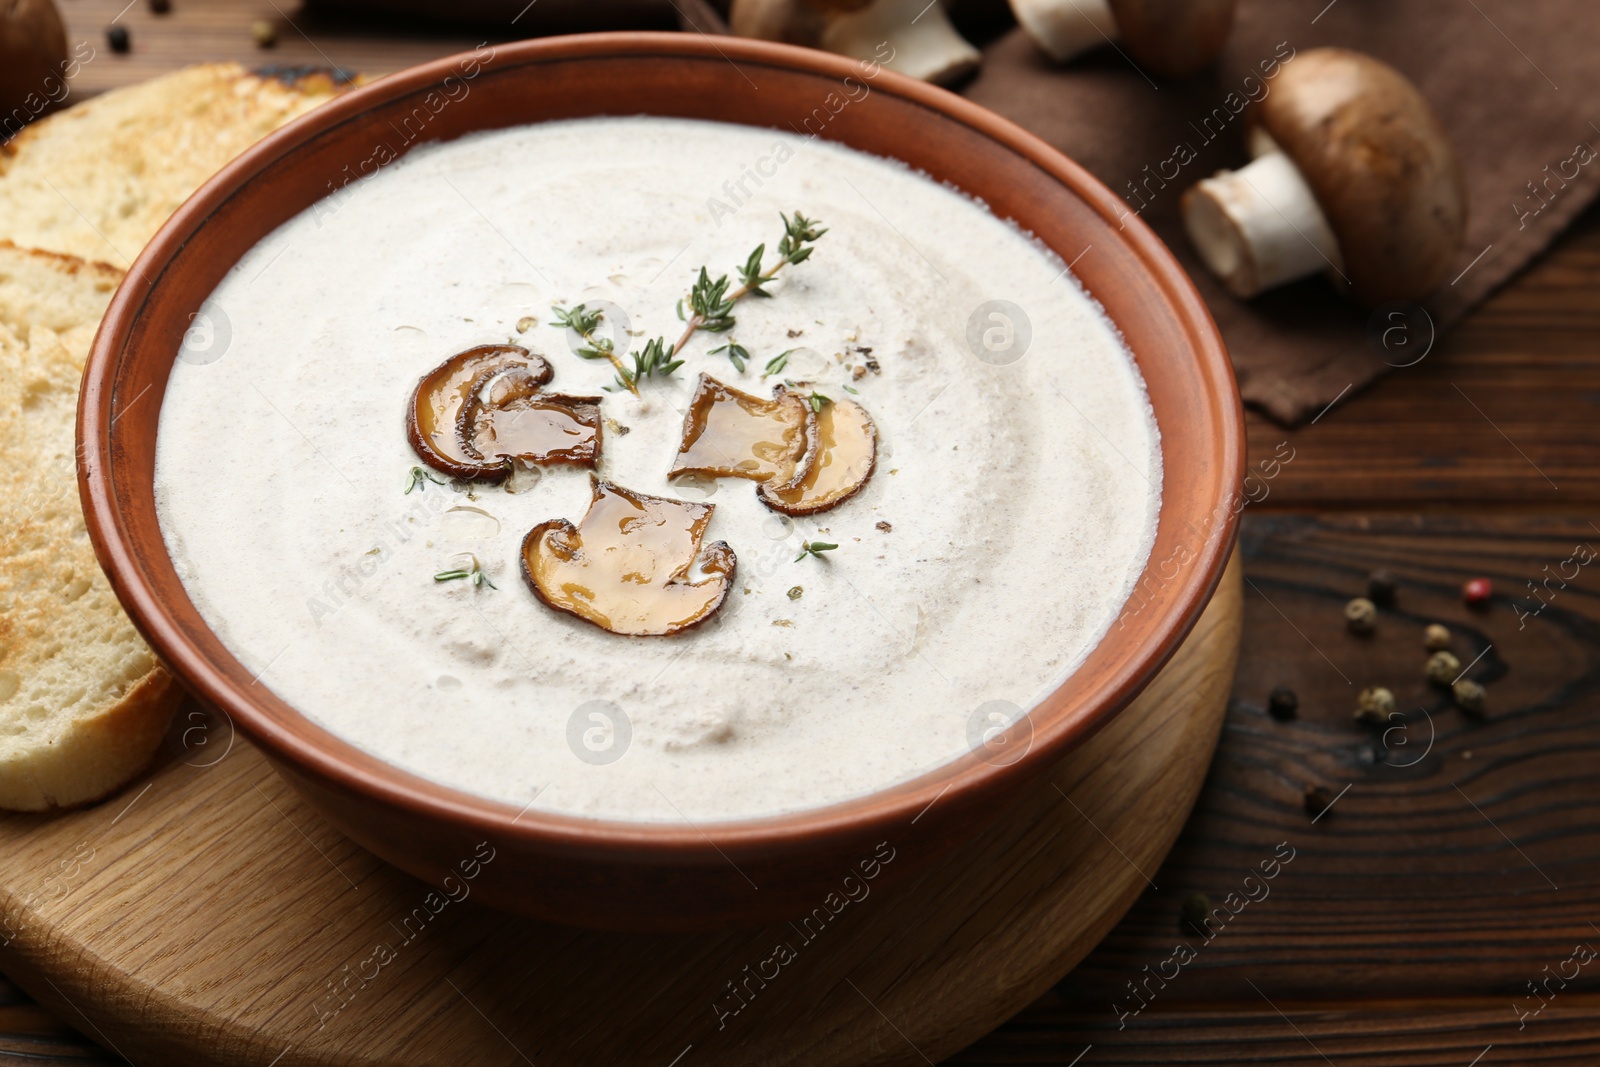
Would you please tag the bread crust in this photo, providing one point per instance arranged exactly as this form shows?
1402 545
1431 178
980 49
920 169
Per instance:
97 755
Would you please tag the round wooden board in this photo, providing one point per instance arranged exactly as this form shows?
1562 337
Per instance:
207 916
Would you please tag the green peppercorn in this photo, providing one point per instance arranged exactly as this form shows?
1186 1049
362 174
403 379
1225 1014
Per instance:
1374 705
1361 615
1283 703
1470 697
1435 638
264 33
1443 667
1381 588
1196 910
796 592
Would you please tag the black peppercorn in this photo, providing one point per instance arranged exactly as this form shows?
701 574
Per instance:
160 7
1381 588
1283 703
117 38
1319 798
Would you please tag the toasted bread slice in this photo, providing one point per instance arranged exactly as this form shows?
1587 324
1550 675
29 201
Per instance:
83 702
98 179
59 292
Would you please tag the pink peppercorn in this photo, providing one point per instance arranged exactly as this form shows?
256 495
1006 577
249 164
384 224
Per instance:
1477 592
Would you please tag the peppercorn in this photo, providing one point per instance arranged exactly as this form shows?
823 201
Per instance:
1319 798
1477 592
264 33
160 7
796 592
1361 615
1282 702
1435 638
1443 667
1470 697
117 38
526 323
1381 588
1374 705
1196 910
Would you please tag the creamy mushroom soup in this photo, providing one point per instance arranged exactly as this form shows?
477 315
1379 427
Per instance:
1011 504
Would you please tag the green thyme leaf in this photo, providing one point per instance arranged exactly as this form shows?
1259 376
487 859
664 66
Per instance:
813 548
737 354
654 361
418 478
776 364
475 575
579 319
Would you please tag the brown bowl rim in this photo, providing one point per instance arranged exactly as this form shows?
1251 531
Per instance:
310 747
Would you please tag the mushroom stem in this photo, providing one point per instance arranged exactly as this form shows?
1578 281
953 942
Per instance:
912 37
1065 29
1259 227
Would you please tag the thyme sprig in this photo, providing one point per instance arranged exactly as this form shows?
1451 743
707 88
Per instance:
583 322
652 362
419 478
813 548
711 304
475 575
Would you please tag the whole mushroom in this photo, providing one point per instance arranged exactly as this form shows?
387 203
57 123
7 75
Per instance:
912 37
33 55
1171 38
1352 174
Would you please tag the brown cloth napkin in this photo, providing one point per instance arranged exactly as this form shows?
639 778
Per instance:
1515 82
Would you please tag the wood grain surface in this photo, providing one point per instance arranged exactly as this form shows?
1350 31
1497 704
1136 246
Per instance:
1409 925
196 31
209 916
1502 413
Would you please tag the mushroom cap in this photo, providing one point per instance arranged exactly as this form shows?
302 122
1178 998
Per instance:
33 48
1174 38
1380 165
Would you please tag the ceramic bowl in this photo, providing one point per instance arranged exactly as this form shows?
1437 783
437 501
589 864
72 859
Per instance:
634 875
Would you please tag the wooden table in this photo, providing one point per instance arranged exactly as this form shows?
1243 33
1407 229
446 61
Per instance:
1460 866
